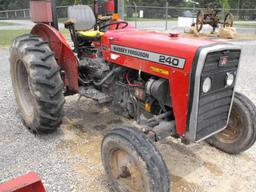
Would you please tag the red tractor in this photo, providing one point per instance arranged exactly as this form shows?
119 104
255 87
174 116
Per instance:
170 85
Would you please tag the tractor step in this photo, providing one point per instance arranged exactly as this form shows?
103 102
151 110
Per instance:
96 95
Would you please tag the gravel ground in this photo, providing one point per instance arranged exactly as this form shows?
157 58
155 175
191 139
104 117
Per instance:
21 151
69 160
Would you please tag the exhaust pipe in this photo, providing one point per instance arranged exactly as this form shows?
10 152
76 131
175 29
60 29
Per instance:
54 15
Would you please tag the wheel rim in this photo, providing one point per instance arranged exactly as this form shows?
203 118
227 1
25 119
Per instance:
199 21
24 94
126 172
234 129
228 21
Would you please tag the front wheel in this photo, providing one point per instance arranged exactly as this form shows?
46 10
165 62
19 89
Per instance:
240 133
133 163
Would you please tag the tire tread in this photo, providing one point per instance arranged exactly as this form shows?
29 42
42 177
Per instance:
46 82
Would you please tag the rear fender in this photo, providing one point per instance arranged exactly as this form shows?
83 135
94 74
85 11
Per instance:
63 53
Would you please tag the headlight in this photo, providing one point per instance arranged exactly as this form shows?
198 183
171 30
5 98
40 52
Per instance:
207 84
230 79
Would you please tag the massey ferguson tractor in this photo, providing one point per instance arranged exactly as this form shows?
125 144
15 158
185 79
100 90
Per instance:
170 85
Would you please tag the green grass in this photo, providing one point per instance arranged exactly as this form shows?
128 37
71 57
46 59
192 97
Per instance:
6 36
7 24
62 20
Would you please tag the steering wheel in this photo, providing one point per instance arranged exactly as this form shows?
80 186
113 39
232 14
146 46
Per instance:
118 23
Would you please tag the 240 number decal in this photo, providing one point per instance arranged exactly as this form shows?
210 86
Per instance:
169 60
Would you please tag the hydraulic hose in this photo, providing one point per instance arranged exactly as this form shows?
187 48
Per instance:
110 74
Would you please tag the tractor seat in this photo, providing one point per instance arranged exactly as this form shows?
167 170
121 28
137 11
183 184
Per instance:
82 16
89 35
81 21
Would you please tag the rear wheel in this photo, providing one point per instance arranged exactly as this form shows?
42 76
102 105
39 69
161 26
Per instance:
199 20
240 133
37 84
229 20
133 163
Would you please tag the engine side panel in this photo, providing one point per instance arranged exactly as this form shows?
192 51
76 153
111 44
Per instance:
159 55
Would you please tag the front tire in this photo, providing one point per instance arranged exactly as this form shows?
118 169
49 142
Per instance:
133 163
240 133
37 83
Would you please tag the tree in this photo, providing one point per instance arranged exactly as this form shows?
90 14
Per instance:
251 4
224 4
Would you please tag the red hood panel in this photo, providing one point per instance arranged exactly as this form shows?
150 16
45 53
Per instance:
156 42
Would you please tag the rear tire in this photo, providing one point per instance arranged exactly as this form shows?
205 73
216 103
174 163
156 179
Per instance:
240 134
37 83
229 20
133 163
199 20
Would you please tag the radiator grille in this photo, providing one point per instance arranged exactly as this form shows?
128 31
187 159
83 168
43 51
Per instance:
213 112
213 109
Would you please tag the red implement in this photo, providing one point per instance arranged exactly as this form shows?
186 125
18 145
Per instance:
27 183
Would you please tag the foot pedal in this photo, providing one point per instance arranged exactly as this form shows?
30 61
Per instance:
96 95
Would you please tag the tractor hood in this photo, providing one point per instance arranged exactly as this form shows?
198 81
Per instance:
151 46
165 56
183 62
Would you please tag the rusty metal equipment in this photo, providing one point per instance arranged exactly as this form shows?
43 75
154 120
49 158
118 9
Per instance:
210 17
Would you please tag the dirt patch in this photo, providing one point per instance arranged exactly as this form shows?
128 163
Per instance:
181 185
193 168
215 36
83 129
214 169
87 147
